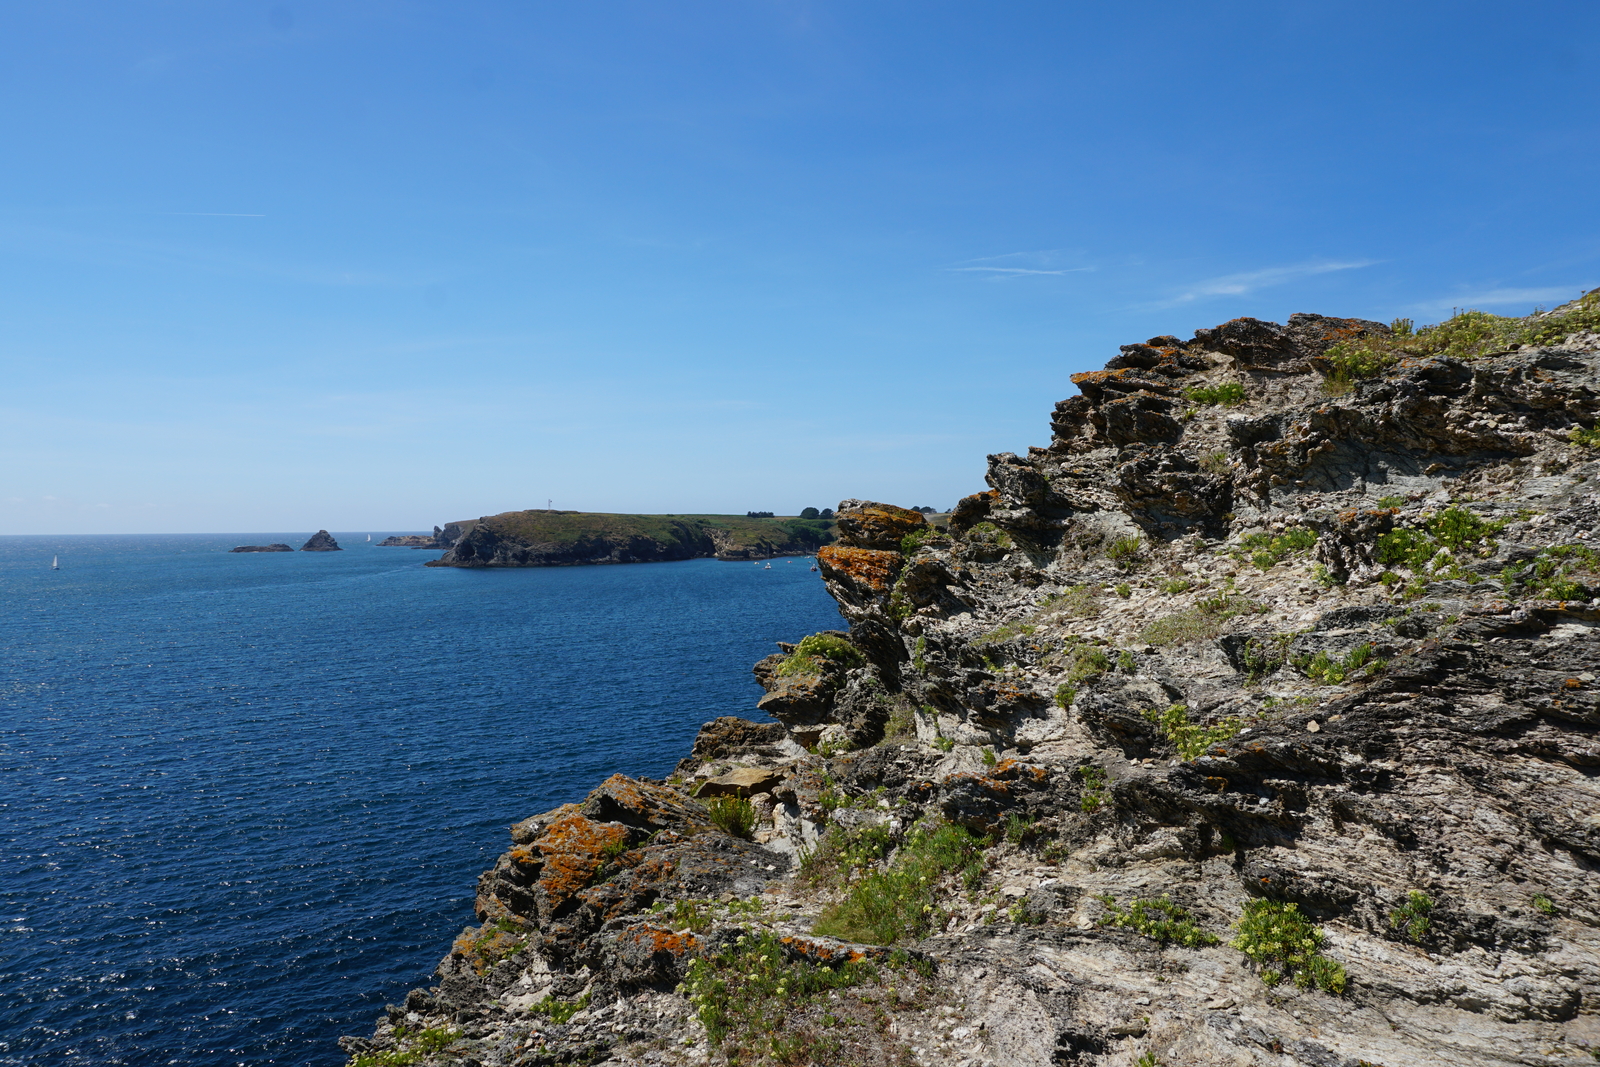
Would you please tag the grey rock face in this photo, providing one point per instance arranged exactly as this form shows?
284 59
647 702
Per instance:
1325 651
274 547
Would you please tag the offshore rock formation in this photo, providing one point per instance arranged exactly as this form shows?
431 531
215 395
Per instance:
544 538
321 541
1252 721
276 546
442 538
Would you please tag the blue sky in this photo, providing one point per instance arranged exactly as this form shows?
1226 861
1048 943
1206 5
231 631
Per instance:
376 265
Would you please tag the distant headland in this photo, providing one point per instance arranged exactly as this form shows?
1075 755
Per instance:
542 537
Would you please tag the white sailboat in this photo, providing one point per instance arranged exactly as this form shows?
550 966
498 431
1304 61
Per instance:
55 563
369 537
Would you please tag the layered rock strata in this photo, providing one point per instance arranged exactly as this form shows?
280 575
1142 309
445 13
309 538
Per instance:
1252 721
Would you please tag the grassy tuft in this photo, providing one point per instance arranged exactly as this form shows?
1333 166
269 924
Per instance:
734 816
885 904
1201 622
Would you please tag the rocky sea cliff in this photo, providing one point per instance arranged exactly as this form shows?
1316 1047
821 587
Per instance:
1251 721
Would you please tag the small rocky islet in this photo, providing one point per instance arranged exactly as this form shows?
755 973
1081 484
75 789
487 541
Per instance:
1251 721
321 541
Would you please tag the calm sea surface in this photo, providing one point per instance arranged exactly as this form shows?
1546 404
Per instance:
244 798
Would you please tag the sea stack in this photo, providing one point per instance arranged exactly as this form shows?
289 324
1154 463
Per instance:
321 541
276 546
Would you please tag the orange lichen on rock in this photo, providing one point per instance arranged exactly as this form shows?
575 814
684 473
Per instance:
645 806
655 939
1011 769
871 525
574 848
869 567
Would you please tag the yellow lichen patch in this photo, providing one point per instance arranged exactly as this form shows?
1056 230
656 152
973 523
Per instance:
870 567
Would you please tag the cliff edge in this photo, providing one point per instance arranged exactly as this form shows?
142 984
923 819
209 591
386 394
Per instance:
1251 721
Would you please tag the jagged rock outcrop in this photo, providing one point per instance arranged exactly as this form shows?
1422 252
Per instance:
321 541
1252 721
276 546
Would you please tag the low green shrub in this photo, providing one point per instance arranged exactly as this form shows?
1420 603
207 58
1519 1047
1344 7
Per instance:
1284 943
1552 574
1215 462
842 851
1124 590
1263 655
1065 694
1191 739
1176 585
809 655
560 1011
414 1047
1003 633
1589 438
917 538
734 816
1543 904
1465 335
1095 791
1327 670
1392 501
744 994
1267 551
1412 918
1081 660
1226 394
1431 549
1159 919
987 533
896 902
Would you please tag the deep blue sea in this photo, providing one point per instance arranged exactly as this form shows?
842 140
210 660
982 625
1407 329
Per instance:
244 799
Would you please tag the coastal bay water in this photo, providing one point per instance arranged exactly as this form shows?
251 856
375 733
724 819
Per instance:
244 798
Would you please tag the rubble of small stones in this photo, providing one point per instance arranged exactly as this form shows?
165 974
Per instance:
1329 648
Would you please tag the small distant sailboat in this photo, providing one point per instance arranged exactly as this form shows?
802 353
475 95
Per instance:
369 537
55 563
769 566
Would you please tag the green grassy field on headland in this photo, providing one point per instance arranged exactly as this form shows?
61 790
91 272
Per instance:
546 538
540 526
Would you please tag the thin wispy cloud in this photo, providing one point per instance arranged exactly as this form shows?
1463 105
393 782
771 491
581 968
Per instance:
1020 263
1250 281
1499 298
1022 270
